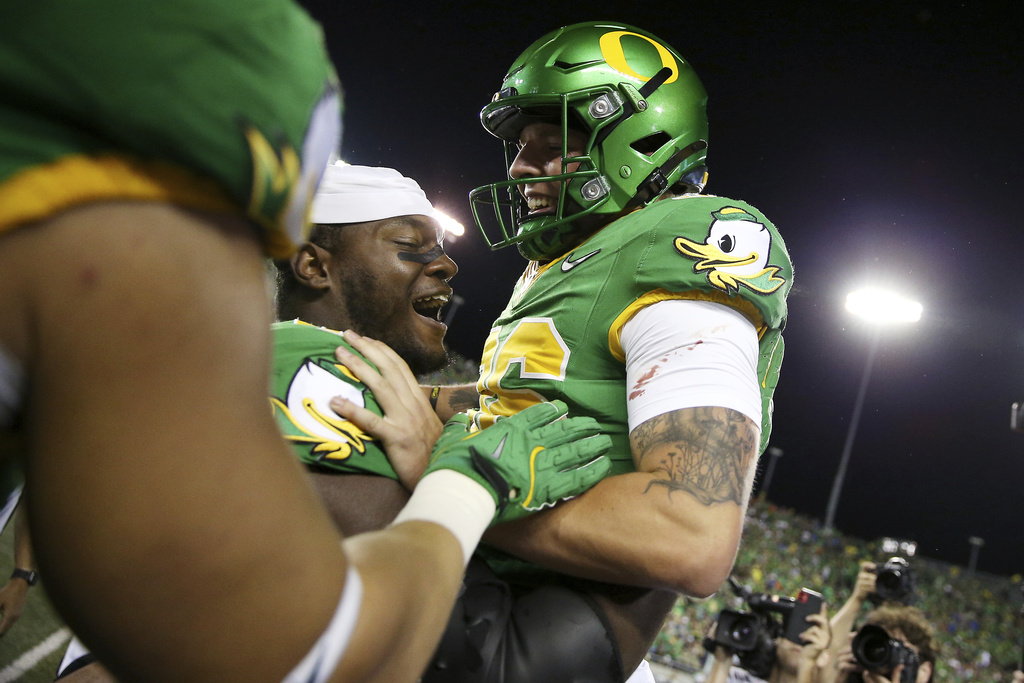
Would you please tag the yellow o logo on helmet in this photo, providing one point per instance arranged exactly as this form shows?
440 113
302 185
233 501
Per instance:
611 50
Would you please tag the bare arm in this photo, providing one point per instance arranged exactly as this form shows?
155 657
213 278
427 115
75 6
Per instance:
720 669
152 443
23 558
674 524
13 595
842 621
454 399
360 502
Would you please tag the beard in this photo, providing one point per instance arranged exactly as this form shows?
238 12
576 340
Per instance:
361 292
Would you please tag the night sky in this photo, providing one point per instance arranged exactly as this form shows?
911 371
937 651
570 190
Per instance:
884 141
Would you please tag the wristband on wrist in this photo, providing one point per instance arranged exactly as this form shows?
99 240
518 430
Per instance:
27 575
456 502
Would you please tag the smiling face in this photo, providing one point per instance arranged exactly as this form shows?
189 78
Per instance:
545 233
389 281
540 154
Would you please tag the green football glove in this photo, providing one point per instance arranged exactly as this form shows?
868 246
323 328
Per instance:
528 461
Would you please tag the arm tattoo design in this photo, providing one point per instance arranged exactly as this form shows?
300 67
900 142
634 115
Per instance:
706 452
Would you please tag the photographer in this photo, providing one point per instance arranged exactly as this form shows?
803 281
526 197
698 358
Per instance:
781 661
906 625
892 581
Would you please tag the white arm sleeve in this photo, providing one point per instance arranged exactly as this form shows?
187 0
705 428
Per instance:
688 354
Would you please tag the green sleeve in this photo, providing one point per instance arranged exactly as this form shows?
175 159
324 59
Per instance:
305 376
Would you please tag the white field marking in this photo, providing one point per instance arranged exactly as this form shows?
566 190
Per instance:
32 657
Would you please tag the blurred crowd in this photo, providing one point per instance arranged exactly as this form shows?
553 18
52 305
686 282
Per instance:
976 617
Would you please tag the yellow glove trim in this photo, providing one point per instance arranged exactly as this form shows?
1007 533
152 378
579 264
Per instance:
533 474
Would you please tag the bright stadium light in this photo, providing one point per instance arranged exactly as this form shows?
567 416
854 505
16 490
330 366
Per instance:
881 306
449 224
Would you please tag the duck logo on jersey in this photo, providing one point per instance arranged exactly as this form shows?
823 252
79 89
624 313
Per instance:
304 415
735 253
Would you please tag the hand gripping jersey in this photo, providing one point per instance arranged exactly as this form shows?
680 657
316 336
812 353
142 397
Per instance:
304 378
492 637
226 105
558 338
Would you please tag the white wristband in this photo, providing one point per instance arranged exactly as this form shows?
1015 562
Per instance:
456 502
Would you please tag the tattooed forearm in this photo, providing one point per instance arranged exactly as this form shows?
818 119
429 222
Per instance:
706 452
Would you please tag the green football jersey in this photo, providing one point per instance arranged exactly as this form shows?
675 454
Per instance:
304 378
230 105
558 338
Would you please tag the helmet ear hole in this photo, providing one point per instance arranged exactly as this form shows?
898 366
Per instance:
650 144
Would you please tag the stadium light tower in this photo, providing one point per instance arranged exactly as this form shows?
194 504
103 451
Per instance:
879 307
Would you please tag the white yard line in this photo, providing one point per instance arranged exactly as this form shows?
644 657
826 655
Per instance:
27 661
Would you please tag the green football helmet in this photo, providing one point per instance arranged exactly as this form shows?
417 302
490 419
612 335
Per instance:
642 108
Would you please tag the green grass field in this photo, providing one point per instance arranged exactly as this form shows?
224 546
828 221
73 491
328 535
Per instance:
35 629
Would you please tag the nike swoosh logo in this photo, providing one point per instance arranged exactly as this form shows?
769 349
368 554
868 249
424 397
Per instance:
568 264
501 446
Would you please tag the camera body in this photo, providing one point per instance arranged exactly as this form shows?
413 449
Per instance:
744 631
895 582
878 652
751 635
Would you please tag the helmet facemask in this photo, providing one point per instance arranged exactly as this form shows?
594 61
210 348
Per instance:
642 138
582 191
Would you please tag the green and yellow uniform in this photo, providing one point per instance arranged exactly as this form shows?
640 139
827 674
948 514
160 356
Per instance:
304 378
558 338
229 106
223 106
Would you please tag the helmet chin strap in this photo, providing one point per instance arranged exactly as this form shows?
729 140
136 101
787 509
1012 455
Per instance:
657 182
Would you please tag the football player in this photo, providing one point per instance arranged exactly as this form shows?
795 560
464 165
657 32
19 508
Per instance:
374 263
148 153
658 313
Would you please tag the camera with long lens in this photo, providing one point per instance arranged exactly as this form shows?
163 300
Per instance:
878 652
751 635
895 581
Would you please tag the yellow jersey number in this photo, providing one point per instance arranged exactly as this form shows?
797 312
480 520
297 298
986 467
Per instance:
537 350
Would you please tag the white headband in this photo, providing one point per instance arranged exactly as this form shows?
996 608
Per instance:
359 194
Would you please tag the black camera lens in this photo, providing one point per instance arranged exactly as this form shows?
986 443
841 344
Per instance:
878 652
873 648
875 651
895 581
744 632
890 581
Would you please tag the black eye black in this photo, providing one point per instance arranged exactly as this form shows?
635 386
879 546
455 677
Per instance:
726 243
